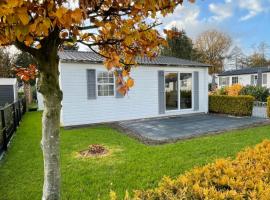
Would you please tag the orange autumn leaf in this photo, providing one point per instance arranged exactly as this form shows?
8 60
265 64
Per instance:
171 33
123 90
130 82
26 73
77 15
125 73
23 15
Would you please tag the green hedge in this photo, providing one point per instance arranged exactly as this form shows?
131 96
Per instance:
232 105
268 106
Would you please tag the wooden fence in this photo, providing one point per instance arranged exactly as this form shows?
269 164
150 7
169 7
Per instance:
10 117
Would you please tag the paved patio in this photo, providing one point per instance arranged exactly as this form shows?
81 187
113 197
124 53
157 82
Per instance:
180 127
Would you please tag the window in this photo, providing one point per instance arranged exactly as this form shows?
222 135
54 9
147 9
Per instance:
105 83
254 79
224 81
264 79
234 80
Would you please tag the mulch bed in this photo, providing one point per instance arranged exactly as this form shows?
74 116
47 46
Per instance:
94 150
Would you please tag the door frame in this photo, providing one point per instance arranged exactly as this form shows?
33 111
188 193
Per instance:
179 93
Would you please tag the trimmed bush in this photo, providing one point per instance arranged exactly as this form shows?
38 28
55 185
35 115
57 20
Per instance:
246 177
268 106
258 92
232 105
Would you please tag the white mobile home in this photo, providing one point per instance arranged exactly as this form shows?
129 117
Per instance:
256 76
164 86
8 91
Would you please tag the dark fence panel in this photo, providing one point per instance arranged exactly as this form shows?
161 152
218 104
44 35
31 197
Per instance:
10 117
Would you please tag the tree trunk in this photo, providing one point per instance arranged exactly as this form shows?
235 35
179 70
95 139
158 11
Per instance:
28 92
48 86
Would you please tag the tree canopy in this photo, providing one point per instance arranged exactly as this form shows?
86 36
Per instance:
260 55
179 46
119 29
5 64
212 47
257 60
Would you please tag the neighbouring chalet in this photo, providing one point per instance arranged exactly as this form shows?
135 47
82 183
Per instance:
256 76
8 91
164 86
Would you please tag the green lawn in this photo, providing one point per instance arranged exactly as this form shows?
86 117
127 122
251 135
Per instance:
131 165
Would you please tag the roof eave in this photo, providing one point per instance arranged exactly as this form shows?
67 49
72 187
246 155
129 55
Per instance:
150 64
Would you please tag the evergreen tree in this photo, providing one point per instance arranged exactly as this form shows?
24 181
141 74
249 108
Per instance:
179 46
5 64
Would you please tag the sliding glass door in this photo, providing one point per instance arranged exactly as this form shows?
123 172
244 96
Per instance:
185 90
171 91
178 91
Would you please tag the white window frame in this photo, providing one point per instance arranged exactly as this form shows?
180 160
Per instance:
255 79
236 78
97 84
227 81
179 94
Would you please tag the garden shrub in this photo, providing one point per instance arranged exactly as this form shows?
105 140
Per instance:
245 177
268 106
234 90
258 92
221 91
232 105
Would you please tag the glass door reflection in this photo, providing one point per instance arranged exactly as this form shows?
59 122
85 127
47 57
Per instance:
171 91
185 90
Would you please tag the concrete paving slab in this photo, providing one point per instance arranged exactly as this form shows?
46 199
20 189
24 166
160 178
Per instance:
180 127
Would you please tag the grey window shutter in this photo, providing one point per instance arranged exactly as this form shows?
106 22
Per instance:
259 81
196 91
161 92
91 84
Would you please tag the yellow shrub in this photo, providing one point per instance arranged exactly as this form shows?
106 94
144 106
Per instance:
246 177
234 90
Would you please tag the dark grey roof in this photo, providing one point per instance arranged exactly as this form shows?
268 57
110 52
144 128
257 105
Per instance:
91 57
251 70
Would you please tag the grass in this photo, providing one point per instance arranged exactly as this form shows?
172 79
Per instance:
131 165
33 106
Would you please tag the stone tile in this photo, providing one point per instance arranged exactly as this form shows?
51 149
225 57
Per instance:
185 126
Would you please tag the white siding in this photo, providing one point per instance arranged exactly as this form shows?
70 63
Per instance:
40 101
245 79
268 80
141 101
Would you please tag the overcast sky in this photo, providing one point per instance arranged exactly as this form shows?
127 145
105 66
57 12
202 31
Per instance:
247 21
